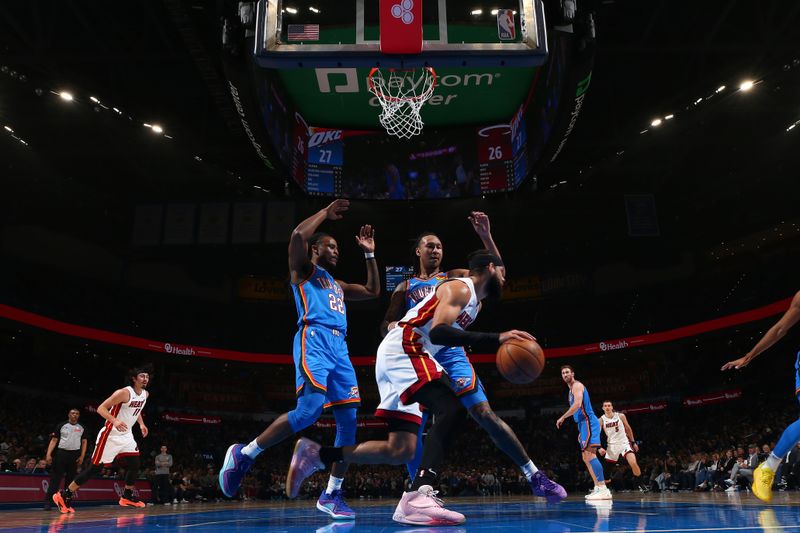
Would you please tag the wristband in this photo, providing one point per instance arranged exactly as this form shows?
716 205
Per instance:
369 255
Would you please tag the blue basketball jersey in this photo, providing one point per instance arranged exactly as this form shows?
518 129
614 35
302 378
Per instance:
586 410
320 301
418 289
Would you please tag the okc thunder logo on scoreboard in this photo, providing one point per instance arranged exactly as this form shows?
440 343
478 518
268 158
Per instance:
326 147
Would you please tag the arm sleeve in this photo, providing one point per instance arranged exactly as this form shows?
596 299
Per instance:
451 336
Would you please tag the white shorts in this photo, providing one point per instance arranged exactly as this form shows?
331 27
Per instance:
616 451
111 444
399 376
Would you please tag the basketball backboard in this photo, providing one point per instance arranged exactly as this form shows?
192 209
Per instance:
346 33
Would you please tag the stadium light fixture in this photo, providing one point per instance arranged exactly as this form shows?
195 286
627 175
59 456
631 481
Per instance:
655 123
291 10
65 96
720 89
495 11
746 85
476 12
157 129
313 9
669 117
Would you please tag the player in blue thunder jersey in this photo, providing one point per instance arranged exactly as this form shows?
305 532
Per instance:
463 379
764 475
580 409
324 375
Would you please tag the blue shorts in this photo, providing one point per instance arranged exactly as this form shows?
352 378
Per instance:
797 377
588 430
321 361
463 380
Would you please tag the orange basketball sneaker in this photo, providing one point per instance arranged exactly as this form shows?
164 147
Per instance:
63 499
129 500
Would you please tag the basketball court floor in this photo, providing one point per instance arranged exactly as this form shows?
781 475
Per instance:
628 513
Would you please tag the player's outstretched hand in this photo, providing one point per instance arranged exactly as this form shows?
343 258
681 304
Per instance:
516 334
738 364
366 239
336 208
480 223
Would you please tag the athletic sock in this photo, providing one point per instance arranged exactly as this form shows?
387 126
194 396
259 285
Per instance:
330 455
425 476
334 483
529 469
773 462
252 450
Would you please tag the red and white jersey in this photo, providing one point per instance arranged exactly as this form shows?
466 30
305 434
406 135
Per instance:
416 324
615 429
128 412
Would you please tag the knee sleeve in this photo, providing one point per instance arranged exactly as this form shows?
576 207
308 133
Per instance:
132 469
345 426
309 407
598 469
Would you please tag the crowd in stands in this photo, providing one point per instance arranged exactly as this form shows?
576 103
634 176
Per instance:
708 448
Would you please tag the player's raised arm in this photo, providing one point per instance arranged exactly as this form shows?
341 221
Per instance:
577 394
397 306
481 225
775 333
104 409
372 288
299 263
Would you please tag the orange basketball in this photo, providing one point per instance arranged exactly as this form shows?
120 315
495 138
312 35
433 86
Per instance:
520 362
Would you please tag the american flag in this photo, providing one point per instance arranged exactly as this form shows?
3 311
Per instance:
304 32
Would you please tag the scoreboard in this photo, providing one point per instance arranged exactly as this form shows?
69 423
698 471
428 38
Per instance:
502 155
324 162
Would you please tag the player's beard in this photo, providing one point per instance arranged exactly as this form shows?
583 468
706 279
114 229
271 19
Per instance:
494 290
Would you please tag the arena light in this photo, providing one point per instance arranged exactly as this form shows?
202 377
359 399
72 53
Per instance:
655 123
8 129
720 89
65 96
495 11
93 99
157 129
669 117
146 125
291 10
746 85
476 12
313 9
790 128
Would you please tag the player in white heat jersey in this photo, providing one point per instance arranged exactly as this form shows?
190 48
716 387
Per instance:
407 375
115 440
620 441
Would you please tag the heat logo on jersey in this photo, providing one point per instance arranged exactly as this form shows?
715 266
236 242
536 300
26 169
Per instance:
464 320
612 425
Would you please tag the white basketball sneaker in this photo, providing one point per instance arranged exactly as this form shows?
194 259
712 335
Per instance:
599 493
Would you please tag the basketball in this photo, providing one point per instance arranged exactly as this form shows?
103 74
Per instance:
520 362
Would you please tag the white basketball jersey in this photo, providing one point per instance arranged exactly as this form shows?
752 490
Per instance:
416 324
615 429
128 412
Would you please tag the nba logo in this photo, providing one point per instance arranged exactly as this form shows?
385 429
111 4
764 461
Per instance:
506 28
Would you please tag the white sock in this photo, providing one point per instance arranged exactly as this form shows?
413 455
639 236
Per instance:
334 483
773 461
529 469
252 450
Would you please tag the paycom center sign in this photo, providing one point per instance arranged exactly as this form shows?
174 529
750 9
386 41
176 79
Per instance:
340 96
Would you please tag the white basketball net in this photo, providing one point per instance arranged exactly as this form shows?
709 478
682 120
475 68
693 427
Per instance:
402 93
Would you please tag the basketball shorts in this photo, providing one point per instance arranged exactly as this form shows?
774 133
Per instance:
617 451
399 376
463 379
111 444
797 377
588 431
322 362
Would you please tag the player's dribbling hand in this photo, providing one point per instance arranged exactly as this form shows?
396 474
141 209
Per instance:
736 363
366 239
480 222
336 208
120 426
516 334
